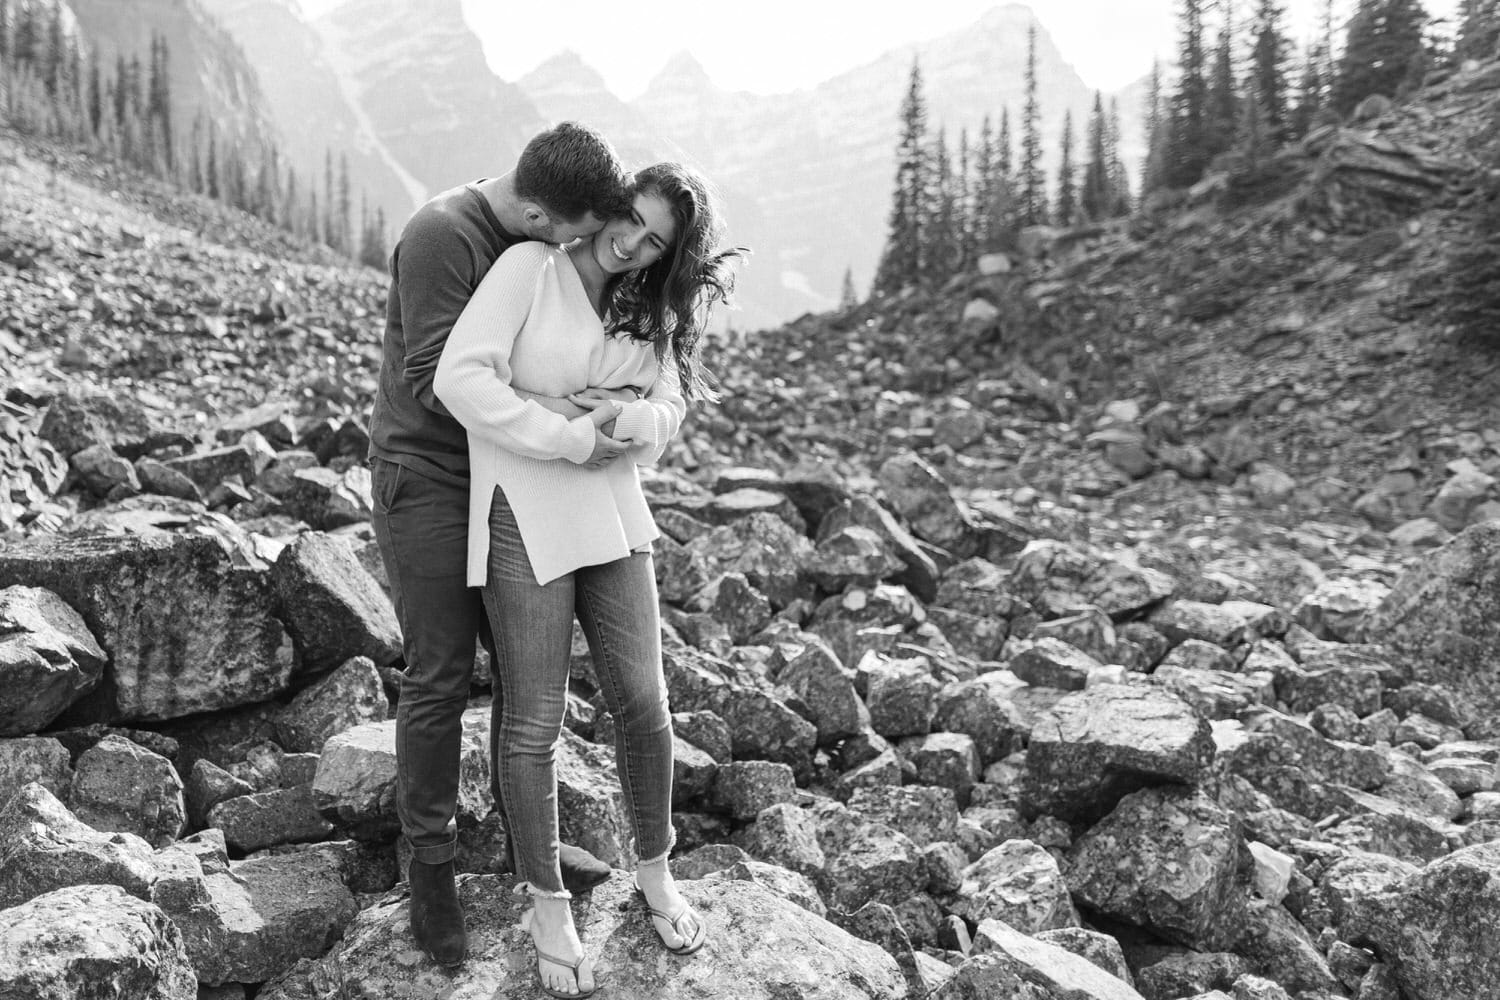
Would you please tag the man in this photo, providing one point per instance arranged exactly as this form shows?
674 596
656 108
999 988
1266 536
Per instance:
567 182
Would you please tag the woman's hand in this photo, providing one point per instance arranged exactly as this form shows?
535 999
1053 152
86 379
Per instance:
606 449
597 405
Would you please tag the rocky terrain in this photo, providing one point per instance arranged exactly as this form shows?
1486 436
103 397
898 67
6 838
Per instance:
1120 622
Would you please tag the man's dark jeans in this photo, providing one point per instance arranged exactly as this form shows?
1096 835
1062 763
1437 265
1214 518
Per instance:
422 526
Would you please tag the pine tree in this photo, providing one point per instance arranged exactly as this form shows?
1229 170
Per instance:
1472 293
1033 185
1187 148
1119 177
1223 113
901 262
1311 96
291 208
848 299
939 229
211 169
1384 53
5 49
1154 164
1003 147
121 89
24 36
982 195
343 208
965 184
1094 196
330 230
1067 195
195 160
96 94
159 99
54 56
1268 56
1478 35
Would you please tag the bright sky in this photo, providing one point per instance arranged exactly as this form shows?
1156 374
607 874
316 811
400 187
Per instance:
774 46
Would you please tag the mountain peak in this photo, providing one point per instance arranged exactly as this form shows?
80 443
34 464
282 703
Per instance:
683 67
566 67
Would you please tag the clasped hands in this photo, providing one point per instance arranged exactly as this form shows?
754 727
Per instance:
603 406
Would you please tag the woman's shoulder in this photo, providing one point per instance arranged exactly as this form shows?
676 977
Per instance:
533 252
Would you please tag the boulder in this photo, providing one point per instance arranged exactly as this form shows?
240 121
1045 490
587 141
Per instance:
333 608
1096 746
760 947
1019 883
121 787
1164 859
186 630
350 696
1060 579
1035 962
93 941
48 658
1444 940
34 758
44 847
1443 617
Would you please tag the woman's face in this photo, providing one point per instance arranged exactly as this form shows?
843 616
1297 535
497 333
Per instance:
639 239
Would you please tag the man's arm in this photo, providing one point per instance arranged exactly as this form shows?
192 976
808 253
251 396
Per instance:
436 272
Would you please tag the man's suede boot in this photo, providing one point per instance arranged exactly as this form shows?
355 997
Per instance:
437 917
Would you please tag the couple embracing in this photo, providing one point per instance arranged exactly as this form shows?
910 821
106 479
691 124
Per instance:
542 338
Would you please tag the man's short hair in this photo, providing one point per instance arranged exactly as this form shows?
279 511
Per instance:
571 170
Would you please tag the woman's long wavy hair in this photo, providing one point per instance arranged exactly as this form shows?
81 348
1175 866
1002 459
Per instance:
668 304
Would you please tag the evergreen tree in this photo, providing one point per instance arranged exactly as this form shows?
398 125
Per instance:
1094 196
965 184
1154 165
1472 292
1003 147
195 160
96 94
1187 148
1268 56
901 261
1033 185
330 230
939 229
24 36
1067 196
343 207
291 208
1223 94
1478 34
847 297
1311 96
54 57
4 36
1384 52
982 195
314 227
121 89
159 99
211 169
1119 177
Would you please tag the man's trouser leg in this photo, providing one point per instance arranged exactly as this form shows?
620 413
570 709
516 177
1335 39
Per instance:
422 526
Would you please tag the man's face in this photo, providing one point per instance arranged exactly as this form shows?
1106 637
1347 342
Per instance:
541 226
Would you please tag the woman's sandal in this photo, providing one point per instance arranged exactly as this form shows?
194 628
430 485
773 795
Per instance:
688 947
542 956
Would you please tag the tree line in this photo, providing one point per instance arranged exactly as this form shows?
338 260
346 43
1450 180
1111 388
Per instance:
1240 92
51 87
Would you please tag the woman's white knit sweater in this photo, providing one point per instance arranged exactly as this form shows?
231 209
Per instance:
530 327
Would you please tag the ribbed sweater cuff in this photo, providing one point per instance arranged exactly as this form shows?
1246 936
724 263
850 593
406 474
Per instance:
636 422
578 444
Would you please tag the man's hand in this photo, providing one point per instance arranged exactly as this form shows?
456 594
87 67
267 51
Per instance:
606 449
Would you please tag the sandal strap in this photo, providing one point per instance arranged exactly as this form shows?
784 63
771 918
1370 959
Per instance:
575 966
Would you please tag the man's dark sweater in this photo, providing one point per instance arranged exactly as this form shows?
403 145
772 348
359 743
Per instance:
443 253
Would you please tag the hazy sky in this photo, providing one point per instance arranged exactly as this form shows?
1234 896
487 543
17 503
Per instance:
773 46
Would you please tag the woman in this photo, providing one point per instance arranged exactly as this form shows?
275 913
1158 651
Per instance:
569 368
